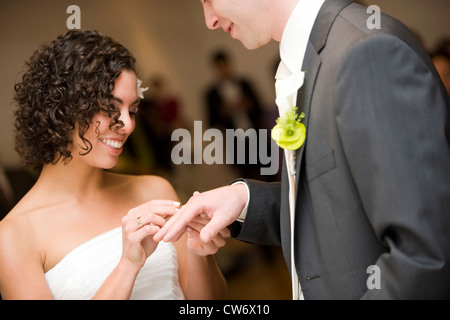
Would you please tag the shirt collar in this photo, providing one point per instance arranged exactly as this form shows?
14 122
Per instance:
296 35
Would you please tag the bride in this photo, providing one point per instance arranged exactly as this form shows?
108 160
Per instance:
82 232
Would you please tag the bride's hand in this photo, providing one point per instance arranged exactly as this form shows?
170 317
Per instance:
196 245
140 225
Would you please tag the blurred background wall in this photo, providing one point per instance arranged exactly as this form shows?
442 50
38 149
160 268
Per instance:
169 38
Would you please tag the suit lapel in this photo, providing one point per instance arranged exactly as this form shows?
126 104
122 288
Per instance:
304 98
312 63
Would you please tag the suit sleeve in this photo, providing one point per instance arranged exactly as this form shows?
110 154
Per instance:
391 115
262 223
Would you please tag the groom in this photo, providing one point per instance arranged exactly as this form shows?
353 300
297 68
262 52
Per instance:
372 190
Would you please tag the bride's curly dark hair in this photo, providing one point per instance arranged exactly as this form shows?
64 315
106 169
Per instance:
67 82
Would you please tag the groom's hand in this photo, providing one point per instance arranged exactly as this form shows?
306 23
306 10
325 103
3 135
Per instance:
222 206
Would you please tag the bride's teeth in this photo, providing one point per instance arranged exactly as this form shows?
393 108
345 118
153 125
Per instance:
112 143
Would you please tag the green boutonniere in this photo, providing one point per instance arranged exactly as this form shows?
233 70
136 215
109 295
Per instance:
289 133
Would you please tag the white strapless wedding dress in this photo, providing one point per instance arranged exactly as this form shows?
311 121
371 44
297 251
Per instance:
81 273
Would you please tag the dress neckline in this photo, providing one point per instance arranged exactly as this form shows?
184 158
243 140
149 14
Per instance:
82 245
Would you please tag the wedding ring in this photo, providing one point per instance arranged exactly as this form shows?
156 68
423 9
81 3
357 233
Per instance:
138 220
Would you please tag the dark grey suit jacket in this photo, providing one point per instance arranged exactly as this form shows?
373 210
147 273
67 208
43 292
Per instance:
374 173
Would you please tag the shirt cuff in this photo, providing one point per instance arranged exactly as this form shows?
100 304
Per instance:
243 214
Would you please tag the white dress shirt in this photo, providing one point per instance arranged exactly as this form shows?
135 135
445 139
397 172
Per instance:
292 48
289 77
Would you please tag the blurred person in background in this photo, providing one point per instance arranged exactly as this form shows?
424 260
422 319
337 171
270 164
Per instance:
232 103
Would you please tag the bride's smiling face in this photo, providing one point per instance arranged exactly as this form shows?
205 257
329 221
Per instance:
107 143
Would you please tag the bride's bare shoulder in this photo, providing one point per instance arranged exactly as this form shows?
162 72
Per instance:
26 218
17 235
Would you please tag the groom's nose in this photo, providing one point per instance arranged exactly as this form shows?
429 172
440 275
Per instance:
211 20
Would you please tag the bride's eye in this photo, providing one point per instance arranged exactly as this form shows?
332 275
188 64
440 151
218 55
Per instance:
133 111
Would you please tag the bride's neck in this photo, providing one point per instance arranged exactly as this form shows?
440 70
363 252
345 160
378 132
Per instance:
71 179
